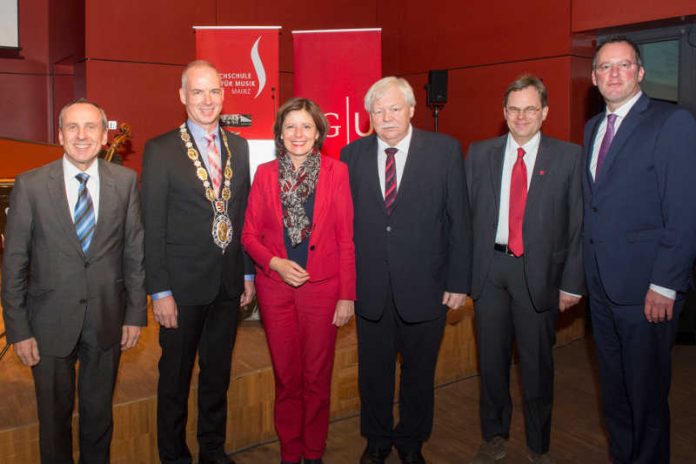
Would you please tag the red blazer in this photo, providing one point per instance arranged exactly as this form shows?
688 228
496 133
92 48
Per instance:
331 249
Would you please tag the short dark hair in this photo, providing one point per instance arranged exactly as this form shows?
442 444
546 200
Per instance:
618 39
299 104
81 101
524 81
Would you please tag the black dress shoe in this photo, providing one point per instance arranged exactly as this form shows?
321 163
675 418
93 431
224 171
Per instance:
218 460
374 455
411 457
313 461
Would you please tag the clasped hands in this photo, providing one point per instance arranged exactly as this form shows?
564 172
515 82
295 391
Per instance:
295 275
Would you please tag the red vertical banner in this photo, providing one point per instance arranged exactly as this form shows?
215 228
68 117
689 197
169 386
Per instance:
335 68
247 60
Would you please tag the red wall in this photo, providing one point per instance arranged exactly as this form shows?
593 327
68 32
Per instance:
134 69
598 14
128 55
24 79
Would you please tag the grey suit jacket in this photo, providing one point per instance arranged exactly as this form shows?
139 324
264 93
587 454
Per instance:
49 285
552 224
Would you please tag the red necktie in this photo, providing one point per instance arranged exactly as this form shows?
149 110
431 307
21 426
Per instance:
390 180
518 199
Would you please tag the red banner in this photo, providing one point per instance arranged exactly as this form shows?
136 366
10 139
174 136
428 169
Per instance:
335 68
247 59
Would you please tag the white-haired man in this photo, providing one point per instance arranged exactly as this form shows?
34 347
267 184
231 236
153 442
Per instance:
413 249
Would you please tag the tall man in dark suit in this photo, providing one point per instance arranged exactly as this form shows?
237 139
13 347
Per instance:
73 283
413 249
639 247
195 185
526 203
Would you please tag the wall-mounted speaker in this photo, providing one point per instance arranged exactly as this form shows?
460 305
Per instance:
437 87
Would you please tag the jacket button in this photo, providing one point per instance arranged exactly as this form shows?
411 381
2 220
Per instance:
311 248
594 209
83 301
86 265
388 228
591 241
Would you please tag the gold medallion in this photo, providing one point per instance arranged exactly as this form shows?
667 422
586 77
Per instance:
222 226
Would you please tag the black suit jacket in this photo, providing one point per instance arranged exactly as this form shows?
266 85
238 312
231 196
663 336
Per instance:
424 248
552 223
180 254
48 282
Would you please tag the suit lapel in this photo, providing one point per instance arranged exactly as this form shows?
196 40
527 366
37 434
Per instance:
542 166
495 158
371 169
589 144
320 195
107 207
409 178
56 189
628 125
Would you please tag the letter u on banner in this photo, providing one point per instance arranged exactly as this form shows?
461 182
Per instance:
335 68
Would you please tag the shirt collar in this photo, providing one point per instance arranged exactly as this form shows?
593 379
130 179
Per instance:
623 110
403 144
70 170
198 132
532 145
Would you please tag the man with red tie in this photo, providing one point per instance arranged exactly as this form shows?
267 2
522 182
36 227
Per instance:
526 205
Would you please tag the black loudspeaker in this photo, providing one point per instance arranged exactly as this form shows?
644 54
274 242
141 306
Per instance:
437 88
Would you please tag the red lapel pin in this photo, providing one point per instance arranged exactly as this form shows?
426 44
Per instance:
541 173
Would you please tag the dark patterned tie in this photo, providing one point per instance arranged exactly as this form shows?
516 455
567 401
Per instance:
84 214
606 143
390 180
518 200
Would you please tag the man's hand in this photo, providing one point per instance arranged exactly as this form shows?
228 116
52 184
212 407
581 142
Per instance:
28 352
291 272
249 292
453 300
129 336
658 308
344 311
566 300
165 312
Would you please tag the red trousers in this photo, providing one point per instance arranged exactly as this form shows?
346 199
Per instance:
302 342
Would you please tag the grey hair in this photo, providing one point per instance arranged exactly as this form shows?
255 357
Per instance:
83 101
195 64
379 88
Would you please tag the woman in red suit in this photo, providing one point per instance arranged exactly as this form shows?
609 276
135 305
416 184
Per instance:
298 230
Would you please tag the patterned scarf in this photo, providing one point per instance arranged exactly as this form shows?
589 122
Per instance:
295 187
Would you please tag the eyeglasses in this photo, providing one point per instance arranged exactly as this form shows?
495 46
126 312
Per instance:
528 111
621 66
392 110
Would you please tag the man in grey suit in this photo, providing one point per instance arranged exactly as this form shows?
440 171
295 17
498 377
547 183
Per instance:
526 204
73 283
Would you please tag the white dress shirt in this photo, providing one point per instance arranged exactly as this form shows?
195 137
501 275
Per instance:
531 148
399 158
621 113
72 185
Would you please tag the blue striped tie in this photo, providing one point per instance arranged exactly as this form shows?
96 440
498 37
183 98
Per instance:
84 214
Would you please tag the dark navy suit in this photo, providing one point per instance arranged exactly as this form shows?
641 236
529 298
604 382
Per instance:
639 229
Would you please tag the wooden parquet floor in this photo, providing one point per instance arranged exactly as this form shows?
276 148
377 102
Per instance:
577 435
